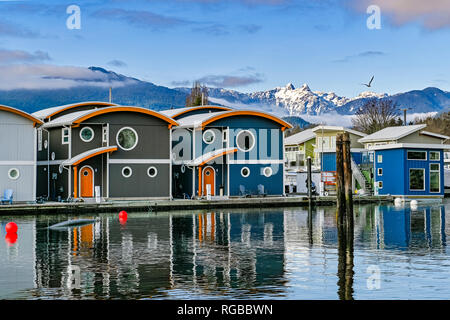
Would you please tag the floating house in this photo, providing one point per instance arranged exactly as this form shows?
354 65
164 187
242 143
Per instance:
227 153
120 151
298 147
18 131
407 162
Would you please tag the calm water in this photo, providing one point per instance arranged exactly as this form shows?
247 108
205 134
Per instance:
231 254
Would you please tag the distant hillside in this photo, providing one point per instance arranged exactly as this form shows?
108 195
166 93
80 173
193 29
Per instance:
297 121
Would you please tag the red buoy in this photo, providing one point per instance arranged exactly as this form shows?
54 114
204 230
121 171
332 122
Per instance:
11 238
11 227
123 215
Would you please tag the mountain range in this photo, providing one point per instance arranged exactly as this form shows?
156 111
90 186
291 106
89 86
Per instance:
283 101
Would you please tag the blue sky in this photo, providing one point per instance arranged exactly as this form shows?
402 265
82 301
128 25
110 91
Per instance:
245 45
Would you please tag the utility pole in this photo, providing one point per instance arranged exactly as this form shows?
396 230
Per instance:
348 178
340 179
110 94
404 115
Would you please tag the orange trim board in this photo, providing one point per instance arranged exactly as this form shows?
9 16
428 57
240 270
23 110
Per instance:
247 113
94 154
21 113
82 104
217 156
78 121
199 108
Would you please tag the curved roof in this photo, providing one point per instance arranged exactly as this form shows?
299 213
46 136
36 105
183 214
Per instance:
75 118
173 113
21 113
50 112
205 119
87 155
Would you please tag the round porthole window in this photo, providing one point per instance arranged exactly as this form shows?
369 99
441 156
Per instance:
45 144
152 172
86 134
13 173
127 172
267 171
127 138
209 136
183 168
245 172
245 140
53 156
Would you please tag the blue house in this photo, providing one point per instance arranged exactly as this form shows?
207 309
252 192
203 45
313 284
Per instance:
227 152
407 162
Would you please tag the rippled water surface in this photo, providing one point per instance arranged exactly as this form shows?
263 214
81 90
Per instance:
280 253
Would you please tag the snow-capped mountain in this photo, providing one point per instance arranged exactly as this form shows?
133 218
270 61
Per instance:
293 101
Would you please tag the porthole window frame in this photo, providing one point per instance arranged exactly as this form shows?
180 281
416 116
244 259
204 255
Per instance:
135 144
242 174
148 171
237 140
214 136
9 174
268 175
131 172
81 136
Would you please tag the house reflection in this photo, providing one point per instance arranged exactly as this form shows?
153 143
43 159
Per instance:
152 255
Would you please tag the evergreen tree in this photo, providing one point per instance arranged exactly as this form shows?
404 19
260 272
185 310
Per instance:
198 93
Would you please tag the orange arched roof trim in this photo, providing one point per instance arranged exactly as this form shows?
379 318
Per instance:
201 107
283 123
111 149
218 156
98 112
21 113
81 104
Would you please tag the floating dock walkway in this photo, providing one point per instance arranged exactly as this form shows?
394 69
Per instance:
177 204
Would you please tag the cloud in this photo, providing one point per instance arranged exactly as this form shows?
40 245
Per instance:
182 83
8 29
9 56
230 81
249 28
214 29
117 63
140 18
431 14
43 76
365 54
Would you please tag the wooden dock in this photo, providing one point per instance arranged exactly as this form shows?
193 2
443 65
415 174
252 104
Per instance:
168 205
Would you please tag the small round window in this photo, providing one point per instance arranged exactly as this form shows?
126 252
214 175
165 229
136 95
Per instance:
245 140
86 134
13 173
127 138
209 136
127 172
152 172
267 171
245 172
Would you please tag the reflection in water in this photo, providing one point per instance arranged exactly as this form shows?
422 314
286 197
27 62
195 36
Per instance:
278 253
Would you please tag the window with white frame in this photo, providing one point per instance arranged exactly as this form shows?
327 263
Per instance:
209 136
105 134
380 158
13 173
245 140
87 134
417 179
245 172
380 184
267 171
65 135
435 155
416 155
127 172
380 171
39 133
127 138
435 177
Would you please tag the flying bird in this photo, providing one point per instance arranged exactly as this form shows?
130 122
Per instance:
370 83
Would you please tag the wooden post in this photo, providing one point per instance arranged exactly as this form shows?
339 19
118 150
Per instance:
340 179
348 178
309 179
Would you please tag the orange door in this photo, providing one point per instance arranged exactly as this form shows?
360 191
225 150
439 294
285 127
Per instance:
208 178
86 183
